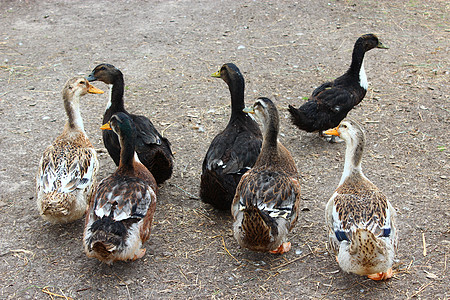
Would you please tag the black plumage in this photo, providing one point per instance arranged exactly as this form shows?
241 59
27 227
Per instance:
330 103
233 151
153 149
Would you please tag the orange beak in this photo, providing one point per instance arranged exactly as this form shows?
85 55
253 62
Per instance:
106 127
333 131
93 90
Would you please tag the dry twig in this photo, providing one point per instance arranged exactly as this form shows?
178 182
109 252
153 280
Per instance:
424 244
421 289
51 294
226 250
291 261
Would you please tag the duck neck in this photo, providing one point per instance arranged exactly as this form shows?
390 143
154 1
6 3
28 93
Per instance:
115 103
237 88
357 66
127 153
353 157
72 107
269 150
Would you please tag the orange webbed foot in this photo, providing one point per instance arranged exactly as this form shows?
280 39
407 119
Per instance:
139 254
382 275
285 247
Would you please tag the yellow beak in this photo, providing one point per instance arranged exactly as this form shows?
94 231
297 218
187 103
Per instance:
249 110
93 90
333 131
216 74
106 127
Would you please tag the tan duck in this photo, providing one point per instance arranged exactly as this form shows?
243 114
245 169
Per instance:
68 167
360 220
265 207
121 209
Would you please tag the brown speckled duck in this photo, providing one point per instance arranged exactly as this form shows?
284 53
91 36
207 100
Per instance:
330 103
68 167
265 207
360 220
121 209
234 150
152 149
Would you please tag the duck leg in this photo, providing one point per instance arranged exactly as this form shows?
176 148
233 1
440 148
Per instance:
285 247
382 275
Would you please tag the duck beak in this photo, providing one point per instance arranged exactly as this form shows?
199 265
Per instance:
216 74
333 131
381 46
93 90
106 127
91 77
249 110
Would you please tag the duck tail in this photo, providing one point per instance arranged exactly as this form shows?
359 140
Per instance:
57 204
107 236
363 240
298 118
256 223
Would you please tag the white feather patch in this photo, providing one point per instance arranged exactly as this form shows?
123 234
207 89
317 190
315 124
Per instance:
363 77
108 104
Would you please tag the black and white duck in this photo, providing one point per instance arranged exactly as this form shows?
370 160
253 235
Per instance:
234 150
330 103
152 149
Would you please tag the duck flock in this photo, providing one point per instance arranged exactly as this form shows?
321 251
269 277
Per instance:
246 170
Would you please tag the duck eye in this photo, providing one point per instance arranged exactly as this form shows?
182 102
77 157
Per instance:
344 126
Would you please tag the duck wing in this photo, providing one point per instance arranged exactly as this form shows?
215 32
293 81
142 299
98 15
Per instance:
335 100
64 168
232 153
275 193
351 208
123 198
146 132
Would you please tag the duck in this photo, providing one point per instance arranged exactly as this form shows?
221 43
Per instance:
68 167
153 150
120 214
359 218
234 150
266 204
330 103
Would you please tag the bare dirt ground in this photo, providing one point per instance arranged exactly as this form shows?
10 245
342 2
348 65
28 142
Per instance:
167 51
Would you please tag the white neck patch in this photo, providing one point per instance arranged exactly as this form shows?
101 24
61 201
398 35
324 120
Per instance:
108 105
363 77
136 157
